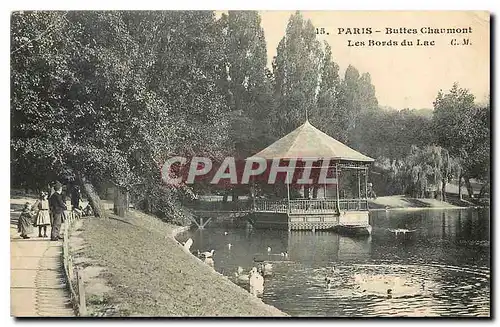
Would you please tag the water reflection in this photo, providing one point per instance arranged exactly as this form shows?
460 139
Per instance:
444 262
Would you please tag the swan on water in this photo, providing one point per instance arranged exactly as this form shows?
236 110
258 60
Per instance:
225 233
398 231
268 249
256 282
187 245
242 277
229 246
207 254
329 278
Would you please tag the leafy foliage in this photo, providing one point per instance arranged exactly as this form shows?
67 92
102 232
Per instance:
296 69
464 128
88 101
108 96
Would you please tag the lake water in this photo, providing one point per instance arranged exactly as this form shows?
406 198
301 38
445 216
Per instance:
440 269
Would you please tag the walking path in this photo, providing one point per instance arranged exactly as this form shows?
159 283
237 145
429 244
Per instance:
37 283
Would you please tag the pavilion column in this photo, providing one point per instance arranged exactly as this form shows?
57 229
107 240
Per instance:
288 194
359 188
337 186
252 193
366 187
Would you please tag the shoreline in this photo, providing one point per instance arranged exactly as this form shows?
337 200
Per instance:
402 202
426 208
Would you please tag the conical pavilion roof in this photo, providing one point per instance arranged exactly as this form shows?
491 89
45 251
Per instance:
309 142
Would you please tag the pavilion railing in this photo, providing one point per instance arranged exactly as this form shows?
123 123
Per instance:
353 204
263 205
296 206
311 206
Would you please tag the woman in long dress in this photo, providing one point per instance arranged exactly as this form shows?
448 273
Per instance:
24 224
43 216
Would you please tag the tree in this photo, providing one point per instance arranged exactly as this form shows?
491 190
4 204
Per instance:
426 171
108 96
463 128
188 113
72 130
330 116
450 169
390 133
296 69
248 89
357 97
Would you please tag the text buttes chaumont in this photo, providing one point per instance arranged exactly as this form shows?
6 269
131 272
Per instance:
404 30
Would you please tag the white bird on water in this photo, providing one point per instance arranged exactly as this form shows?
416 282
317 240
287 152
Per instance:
268 250
207 254
242 277
256 282
229 246
225 233
329 278
403 231
187 244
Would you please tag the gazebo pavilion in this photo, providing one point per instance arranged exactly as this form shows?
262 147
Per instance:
330 205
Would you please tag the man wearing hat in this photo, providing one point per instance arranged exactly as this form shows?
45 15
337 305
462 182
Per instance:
57 207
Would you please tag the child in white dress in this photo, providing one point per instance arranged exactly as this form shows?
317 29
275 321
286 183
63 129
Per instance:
43 216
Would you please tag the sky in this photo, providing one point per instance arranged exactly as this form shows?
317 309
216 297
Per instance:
403 76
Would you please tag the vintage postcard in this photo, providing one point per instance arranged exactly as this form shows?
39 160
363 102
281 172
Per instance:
250 163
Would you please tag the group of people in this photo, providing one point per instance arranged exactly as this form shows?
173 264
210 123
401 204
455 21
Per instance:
49 211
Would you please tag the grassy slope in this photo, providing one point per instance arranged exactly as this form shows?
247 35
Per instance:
151 275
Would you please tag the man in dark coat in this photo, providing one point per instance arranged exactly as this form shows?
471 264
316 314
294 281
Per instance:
57 207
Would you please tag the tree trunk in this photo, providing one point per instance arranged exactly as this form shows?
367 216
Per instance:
460 187
120 205
443 190
483 190
94 199
469 187
149 205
